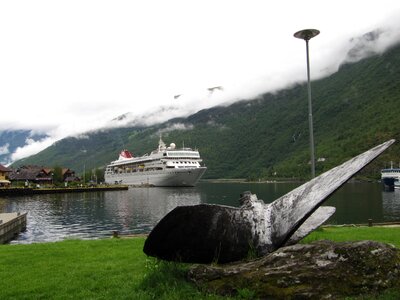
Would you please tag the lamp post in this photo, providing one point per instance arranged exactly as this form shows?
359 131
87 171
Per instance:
308 34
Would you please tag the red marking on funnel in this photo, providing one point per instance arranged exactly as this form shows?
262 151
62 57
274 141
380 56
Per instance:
126 154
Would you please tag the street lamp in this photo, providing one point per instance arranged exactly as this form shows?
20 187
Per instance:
308 34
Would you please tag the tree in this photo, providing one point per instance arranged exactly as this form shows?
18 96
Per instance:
99 175
57 175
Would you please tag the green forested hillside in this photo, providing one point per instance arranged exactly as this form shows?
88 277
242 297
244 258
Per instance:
354 109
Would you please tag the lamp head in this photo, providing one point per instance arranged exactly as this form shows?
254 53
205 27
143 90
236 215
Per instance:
306 34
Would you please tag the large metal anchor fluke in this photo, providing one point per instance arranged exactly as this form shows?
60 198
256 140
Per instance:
208 233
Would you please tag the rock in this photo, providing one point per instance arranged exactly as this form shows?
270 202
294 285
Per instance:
322 269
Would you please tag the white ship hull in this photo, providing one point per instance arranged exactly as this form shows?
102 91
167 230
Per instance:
166 177
165 166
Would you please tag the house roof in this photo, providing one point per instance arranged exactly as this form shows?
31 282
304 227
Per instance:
32 173
72 179
63 170
66 170
4 169
29 173
47 170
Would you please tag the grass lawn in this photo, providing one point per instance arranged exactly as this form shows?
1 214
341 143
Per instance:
390 235
90 269
118 268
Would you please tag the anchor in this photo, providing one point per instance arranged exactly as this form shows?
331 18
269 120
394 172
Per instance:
207 233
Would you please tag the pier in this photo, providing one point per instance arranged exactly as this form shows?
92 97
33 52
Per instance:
11 224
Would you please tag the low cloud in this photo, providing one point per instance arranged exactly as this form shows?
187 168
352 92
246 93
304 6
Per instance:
82 136
153 116
31 147
176 126
4 149
371 43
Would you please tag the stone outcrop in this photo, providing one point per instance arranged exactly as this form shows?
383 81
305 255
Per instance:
318 270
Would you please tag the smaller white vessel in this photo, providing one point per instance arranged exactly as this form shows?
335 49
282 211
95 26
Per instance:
165 166
391 174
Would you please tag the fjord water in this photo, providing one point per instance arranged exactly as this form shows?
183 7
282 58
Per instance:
93 215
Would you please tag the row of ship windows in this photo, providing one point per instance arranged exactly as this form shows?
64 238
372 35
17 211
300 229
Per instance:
174 162
183 154
145 174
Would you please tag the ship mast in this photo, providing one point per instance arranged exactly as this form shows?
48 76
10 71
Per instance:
161 144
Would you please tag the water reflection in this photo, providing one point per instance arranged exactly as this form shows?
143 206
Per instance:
356 203
391 205
229 193
92 215
138 210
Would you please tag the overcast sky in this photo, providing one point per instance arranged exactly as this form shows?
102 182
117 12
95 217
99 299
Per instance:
70 66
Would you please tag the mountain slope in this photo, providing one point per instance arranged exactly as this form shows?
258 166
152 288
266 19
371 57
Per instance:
354 109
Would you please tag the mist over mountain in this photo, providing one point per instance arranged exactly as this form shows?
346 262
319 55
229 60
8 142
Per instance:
354 109
11 140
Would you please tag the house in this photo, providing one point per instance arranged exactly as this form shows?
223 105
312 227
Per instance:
4 171
39 174
34 174
69 176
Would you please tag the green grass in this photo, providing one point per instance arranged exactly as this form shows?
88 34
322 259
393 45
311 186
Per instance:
390 235
95 269
70 269
118 269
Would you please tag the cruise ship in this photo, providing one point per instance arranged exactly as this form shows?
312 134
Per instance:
165 166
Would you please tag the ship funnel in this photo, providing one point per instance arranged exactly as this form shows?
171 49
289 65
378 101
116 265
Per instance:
125 154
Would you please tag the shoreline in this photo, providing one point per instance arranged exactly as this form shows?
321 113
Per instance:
243 180
280 180
31 191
